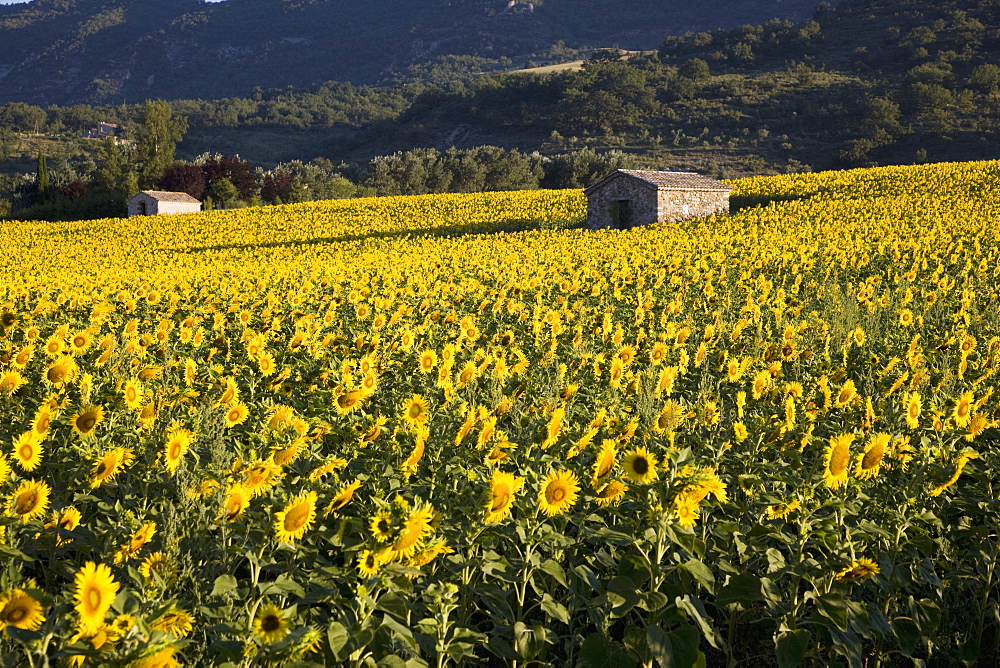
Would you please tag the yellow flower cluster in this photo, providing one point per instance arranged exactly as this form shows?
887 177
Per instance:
392 381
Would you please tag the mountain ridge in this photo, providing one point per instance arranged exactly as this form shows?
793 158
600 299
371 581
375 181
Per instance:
112 51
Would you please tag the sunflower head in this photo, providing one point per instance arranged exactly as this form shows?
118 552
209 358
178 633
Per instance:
640 466
558 492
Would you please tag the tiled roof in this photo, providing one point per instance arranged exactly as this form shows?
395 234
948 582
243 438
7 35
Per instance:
164 196
668 180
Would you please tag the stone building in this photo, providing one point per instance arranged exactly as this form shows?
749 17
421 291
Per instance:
627 198
153 202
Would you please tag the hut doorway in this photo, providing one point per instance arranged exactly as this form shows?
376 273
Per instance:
621 214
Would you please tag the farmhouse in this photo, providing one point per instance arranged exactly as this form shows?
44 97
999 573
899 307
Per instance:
627 198
153 202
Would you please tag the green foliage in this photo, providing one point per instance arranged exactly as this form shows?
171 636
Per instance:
158 136
42 179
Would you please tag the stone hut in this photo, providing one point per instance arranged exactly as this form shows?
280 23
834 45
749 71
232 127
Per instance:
153 202
627 198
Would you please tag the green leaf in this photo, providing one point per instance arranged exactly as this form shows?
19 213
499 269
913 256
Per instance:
792 647
660 646
833 607
553 568
677 649
223 585
394 605
696 611
337 636
684 641
599 651
701 572
555 610
743 589
623 595
926 615
907 634
402 632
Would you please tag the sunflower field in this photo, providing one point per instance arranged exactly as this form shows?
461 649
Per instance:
457 429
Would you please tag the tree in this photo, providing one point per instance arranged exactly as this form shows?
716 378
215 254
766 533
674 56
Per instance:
184 178
223 192
986 79
236 170
159 133
111 172
42 178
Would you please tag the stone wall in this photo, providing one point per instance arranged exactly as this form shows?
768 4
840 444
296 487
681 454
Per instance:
178 207
642 203
678 205
647 205
155 206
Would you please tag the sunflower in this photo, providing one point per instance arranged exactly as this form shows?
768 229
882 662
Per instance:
266 365
381 526
857 569
415 411
176 447
23 356
159 567
848 393
66 519
147 415
87 419
80 342
61 371
503 488
236 502
270 624
175 621
558 492
428 359
279 417
869 461
142 536
342 497
96 590
837 460
230 394
162 658
467 374
29 500
54 345
28 450
782 510
327 468
292 523
604 465
369 563
348 402
418 448
963 409
685 507
261 476
289 453
236 414
11 382
21 610
108 465
5 469
912 406
611 493
415 527
640 466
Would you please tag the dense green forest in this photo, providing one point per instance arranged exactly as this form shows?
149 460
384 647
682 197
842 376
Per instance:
866 82
110 51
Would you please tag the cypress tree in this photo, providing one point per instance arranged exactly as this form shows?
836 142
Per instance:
42 178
